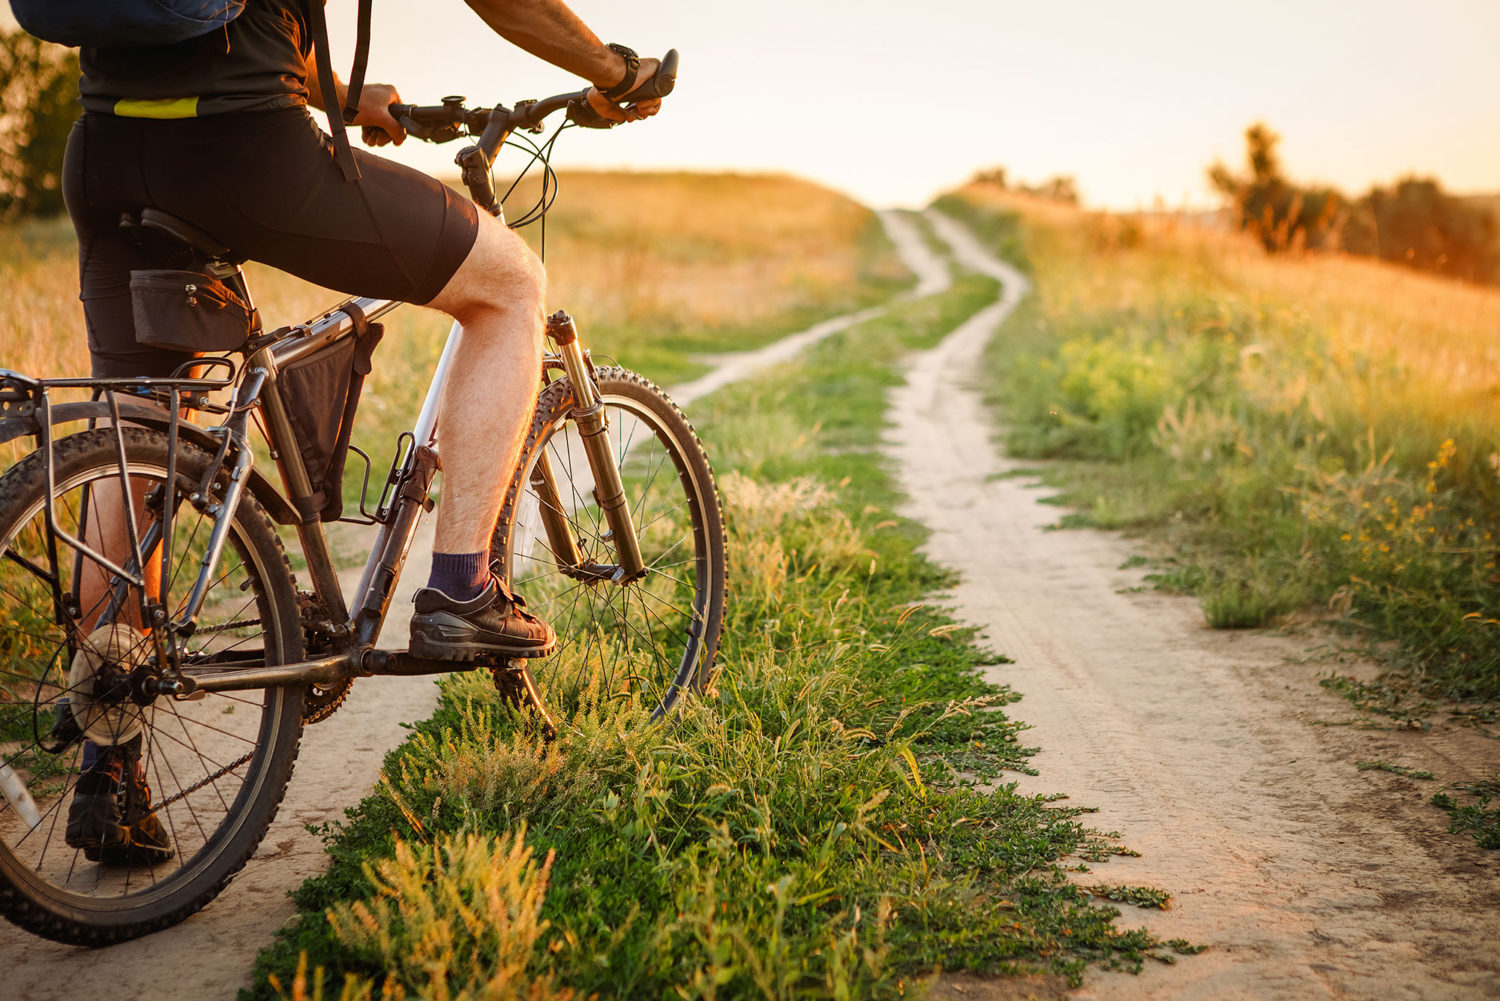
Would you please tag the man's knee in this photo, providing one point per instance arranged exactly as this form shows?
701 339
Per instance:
501 273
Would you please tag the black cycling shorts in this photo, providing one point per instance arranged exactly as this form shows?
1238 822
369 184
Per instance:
265 184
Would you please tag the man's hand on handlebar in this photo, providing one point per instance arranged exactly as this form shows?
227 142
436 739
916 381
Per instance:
380 128
633 111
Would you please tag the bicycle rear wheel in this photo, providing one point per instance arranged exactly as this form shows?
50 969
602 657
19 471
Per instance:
193 784
652 639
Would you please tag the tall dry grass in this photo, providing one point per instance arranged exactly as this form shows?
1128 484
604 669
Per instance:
657 269
652 254
1401 347
698 253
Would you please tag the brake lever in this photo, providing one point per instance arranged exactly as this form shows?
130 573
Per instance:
535 128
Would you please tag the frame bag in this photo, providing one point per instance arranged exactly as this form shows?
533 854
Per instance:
320 393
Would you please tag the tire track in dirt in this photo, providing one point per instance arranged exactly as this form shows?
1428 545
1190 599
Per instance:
210 954
1205 749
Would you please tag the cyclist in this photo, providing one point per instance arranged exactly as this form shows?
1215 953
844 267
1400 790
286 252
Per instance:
215 131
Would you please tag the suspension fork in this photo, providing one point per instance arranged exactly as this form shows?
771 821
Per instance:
609 492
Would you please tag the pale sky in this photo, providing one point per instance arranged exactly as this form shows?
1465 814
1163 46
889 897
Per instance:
892 102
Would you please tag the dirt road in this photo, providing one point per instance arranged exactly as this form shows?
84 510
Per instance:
1210 752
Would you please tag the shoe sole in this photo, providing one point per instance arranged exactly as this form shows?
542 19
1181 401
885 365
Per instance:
463 650
126 856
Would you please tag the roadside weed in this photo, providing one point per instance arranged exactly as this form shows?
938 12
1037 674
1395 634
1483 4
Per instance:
1472 814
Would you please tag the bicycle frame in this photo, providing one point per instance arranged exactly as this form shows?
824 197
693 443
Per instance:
354 630
356 626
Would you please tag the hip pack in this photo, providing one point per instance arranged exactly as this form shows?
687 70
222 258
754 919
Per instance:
107 23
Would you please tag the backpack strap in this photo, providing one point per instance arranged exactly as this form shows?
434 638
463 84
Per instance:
316 20
361 58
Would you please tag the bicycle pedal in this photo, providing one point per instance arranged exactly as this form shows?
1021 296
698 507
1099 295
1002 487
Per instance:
401 663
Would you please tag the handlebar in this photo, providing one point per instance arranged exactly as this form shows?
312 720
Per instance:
440 123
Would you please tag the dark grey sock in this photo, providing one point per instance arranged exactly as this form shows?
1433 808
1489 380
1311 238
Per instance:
461 576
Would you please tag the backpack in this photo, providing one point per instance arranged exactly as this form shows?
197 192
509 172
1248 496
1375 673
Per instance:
110 23
107 23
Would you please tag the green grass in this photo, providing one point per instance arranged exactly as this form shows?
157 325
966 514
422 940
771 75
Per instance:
826 822
1386 766
1188 395
1470 813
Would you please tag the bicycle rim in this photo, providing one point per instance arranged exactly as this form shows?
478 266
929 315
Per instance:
214 767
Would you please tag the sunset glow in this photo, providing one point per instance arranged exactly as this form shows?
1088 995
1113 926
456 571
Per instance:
893 102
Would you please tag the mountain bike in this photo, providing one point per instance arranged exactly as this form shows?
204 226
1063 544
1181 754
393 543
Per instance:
168 675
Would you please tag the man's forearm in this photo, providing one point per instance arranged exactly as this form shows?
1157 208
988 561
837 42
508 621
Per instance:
549 30
315 86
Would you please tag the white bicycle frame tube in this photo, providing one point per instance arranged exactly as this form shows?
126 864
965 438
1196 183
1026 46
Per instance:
426 430
425 433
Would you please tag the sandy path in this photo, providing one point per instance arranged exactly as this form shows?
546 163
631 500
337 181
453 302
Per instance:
210 954
1307 878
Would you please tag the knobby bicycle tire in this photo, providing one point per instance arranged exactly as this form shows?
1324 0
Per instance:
653 639
216 767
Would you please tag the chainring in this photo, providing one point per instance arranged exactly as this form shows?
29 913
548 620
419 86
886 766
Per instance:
321 701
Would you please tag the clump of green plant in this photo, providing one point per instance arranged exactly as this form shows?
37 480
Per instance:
1386 766
1415 550
1138 896
1472 814
1244 598
460 917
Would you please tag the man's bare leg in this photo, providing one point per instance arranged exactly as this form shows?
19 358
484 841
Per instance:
497 295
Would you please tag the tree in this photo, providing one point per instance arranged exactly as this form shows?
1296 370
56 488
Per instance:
1269 206
1058 188
38 104
992 175
1417 224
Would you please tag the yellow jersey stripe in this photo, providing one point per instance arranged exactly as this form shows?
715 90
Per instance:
168 107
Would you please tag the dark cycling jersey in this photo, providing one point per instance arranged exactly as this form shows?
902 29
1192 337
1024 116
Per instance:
258 62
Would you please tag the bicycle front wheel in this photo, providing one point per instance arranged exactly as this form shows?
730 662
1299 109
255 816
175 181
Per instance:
652 639
125 812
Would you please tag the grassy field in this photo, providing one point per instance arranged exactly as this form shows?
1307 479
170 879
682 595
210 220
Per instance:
1307 434
826 823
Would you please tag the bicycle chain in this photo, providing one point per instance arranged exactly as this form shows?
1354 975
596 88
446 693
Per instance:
216 776
225 627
